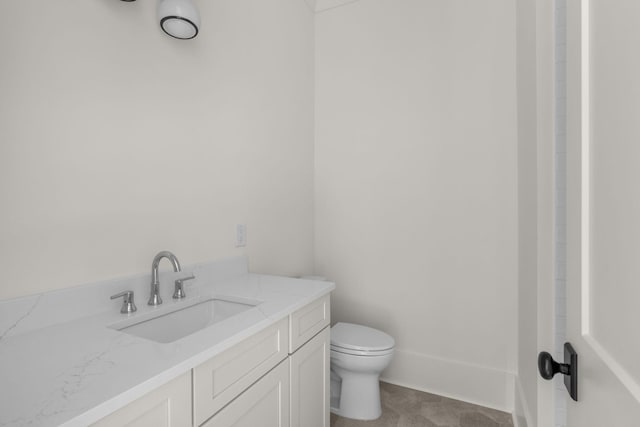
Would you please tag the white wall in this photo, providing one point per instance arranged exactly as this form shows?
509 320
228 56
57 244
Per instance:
416 179
117 141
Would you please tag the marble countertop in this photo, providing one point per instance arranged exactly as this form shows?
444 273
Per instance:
75 372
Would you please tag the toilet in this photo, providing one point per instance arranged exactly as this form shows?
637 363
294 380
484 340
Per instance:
358 355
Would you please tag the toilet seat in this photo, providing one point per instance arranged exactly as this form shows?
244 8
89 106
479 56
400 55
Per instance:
360 340
361 352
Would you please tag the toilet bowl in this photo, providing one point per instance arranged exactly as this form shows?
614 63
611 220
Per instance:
358 355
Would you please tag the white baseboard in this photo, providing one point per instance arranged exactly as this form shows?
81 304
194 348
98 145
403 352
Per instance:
521 414
479 385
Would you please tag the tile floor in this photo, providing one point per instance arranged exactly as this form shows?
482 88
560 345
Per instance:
404 407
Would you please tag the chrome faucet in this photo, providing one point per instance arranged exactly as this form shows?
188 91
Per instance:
155 299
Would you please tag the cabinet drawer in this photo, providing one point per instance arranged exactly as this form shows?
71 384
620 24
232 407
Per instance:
219 380
308 321
265 404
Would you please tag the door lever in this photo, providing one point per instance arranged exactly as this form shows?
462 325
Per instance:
549 367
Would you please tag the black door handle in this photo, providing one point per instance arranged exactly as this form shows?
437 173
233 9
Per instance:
549 367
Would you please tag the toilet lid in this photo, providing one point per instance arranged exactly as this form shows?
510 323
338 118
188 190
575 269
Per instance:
358 337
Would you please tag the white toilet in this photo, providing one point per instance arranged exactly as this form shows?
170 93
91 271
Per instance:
358 355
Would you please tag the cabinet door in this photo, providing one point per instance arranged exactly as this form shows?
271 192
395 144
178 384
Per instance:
310 383
264 404
219 380
167 406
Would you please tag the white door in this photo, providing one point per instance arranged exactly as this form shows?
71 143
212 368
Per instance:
603 114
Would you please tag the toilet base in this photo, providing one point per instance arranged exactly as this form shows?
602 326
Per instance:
359 396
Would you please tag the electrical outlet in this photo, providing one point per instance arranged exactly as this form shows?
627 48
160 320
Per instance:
241 235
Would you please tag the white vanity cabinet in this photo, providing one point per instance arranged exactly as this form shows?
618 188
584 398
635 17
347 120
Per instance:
169 406
304 337
278 377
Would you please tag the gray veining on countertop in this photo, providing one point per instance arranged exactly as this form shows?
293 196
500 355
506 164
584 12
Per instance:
27 313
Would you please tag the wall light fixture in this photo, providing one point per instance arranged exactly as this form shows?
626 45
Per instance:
178 18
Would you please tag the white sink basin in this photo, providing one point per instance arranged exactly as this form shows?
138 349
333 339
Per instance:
183 318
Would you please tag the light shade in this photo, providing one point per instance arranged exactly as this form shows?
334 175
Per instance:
179 18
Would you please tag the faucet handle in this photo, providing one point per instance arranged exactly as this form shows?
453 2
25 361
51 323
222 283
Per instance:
128 306
178 293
